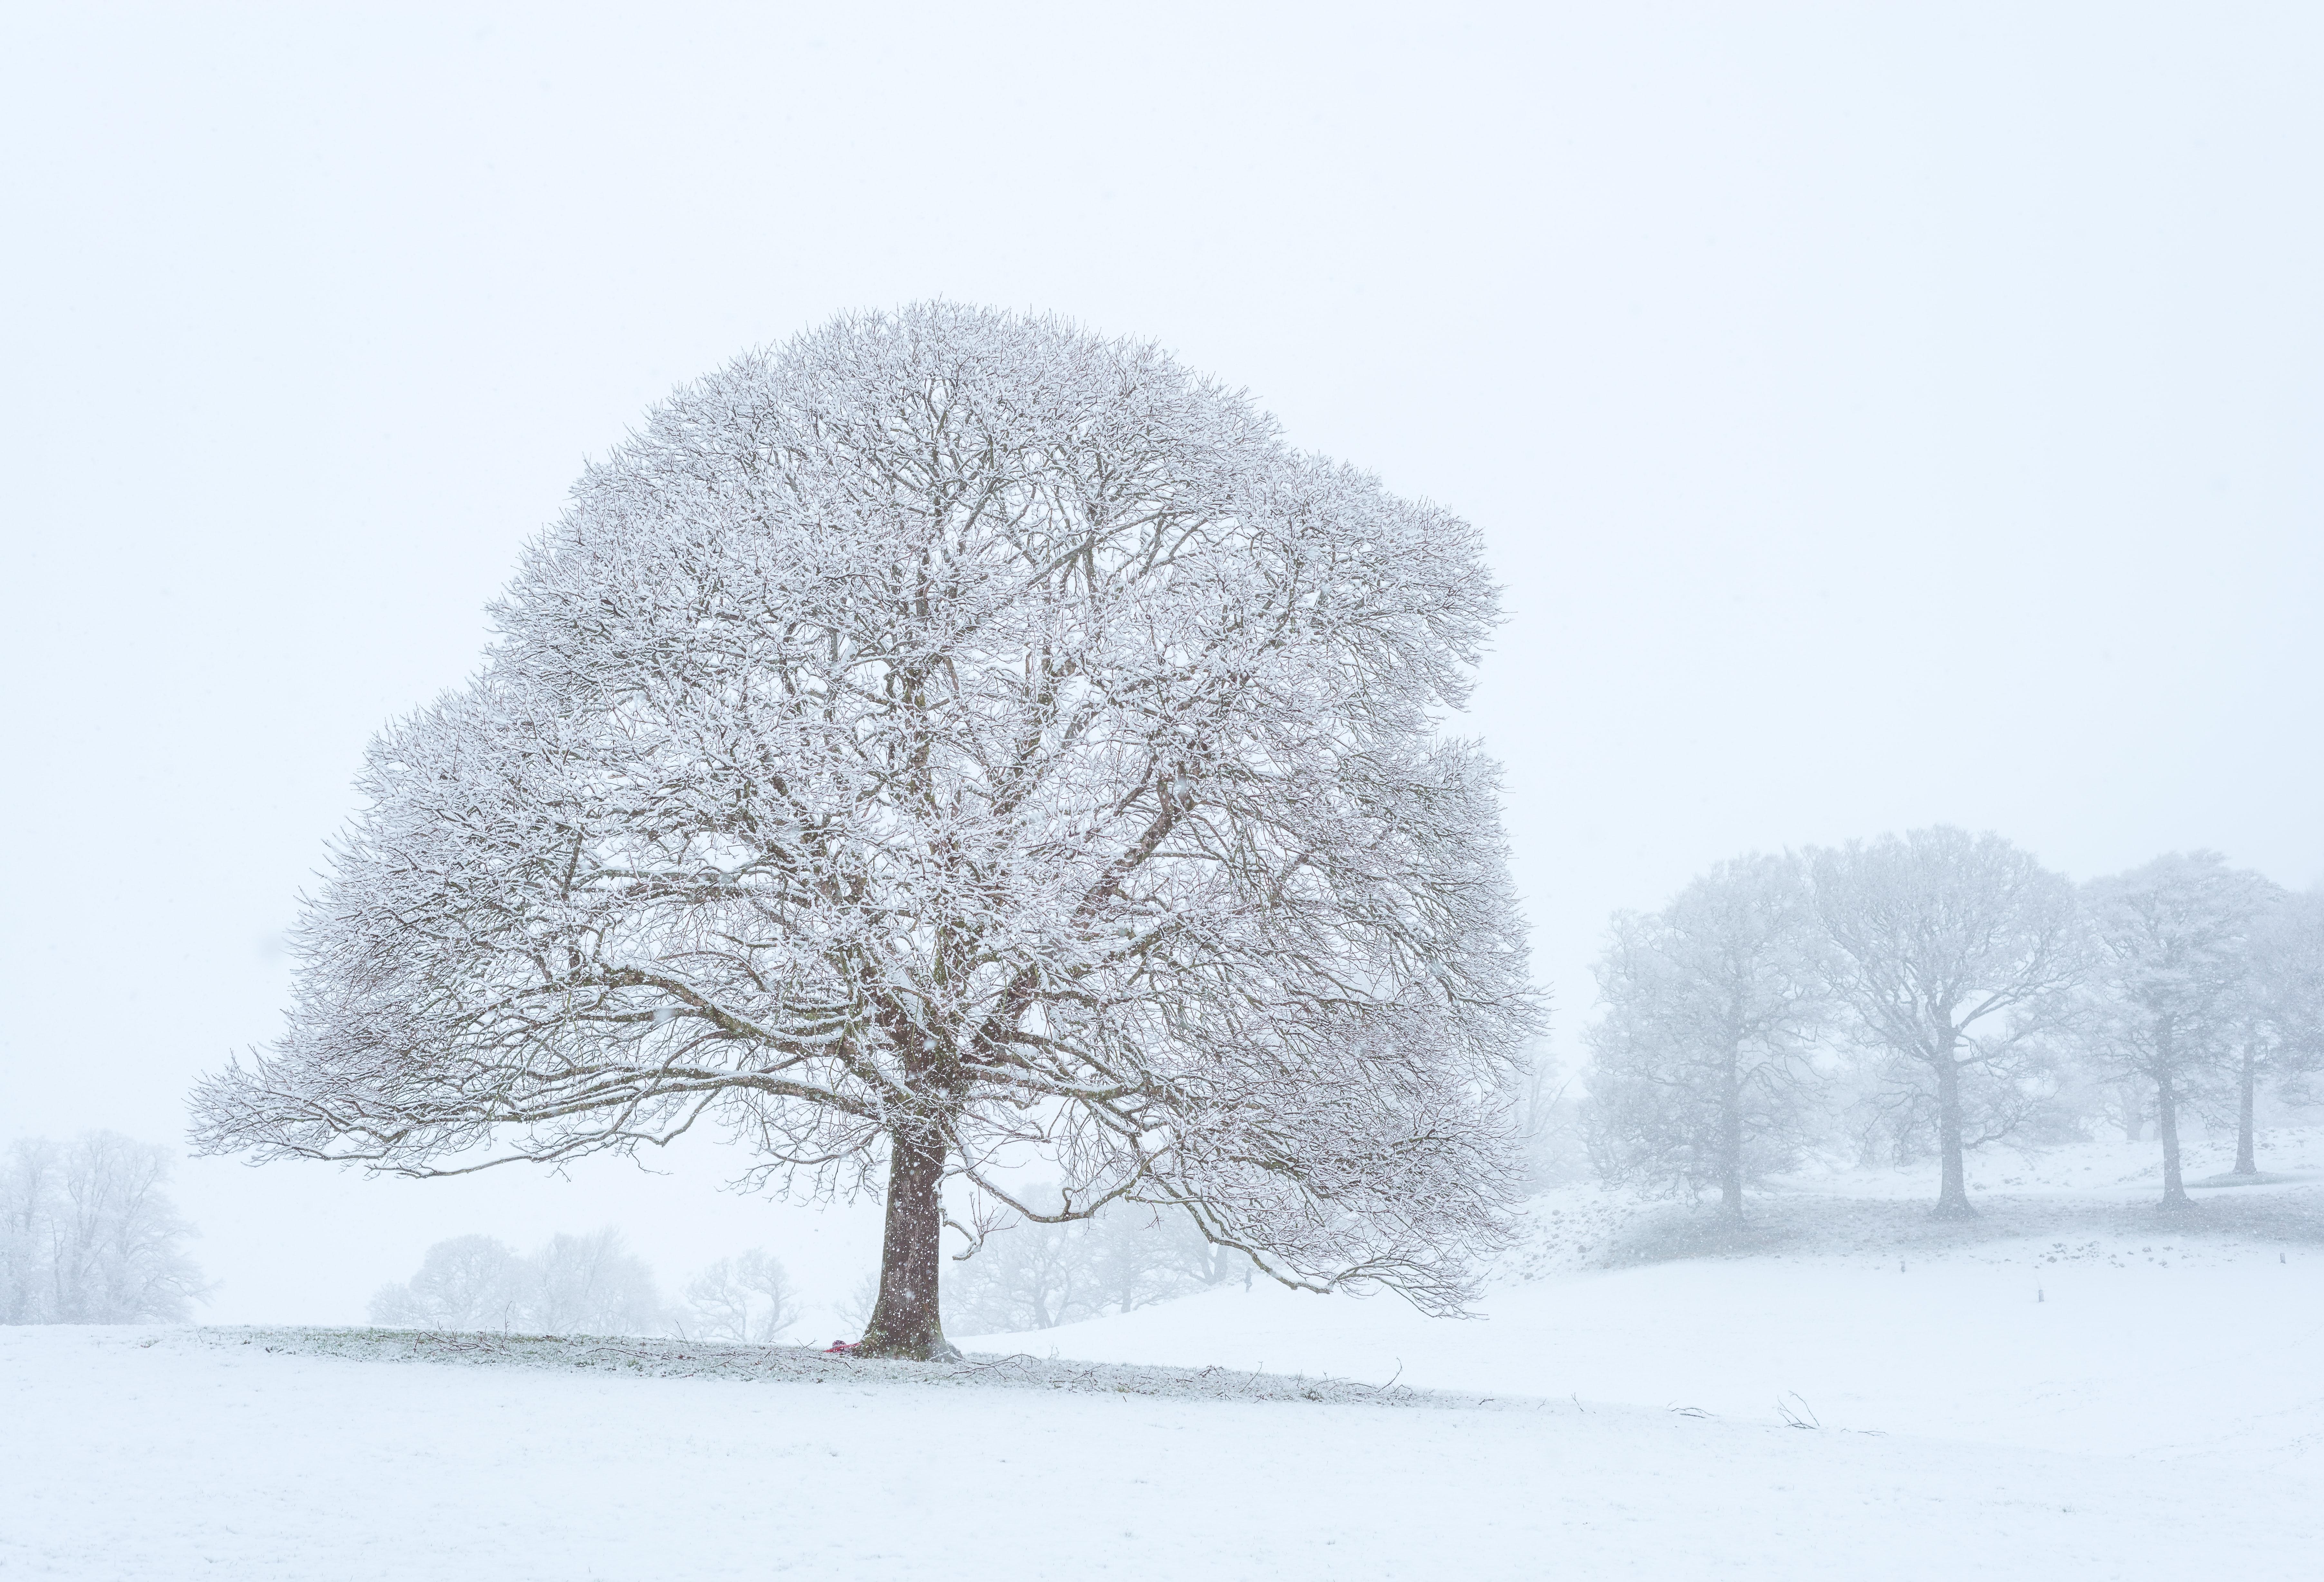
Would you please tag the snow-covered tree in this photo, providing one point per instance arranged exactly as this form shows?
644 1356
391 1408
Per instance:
574 1285
1701 1069
1187 1260
1036 1275
1136 1258
948 739
2280 1035
1550 1113
1955 958
749 1299
2175 995
27 1193
2126 1106
469 1282
591 1284
89 1235
1033 1274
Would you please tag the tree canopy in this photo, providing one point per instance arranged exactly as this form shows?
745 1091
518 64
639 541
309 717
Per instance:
948 739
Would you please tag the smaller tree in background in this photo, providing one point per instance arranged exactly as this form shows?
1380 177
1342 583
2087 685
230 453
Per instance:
2128 1107
747 1299
1036 1275
593 1284
469 1282
2174 991
574 1285
1027 1274
1549 1114
89 1235
854 1309
1956 956
1701 1065
2280 1033
1135 1257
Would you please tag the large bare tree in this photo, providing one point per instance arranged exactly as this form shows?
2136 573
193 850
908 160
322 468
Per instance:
1956 955
948 739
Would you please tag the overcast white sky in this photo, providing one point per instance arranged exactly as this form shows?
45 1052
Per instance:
1879 414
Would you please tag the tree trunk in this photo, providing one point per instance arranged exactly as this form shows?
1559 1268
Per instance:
1730 1140
904 1322
1952 1197
2246 1155
2174 1190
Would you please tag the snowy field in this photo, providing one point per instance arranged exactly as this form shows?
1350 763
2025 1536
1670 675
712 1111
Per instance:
2070 1316
2073 1388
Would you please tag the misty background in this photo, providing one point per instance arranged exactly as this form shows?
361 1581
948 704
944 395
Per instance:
1878 416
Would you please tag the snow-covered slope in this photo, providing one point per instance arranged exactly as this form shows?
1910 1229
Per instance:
2071 1315
2074 1387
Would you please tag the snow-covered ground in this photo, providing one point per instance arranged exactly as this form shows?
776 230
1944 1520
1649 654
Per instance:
2070 1316
2076 1387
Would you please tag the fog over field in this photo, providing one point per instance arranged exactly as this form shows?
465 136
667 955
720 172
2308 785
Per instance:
1873 420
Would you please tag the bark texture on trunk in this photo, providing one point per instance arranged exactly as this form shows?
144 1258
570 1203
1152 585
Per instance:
904 1320
1952 1197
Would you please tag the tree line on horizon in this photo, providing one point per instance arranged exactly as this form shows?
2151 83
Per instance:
1929 993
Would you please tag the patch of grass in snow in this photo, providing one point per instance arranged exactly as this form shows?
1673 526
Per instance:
654 1358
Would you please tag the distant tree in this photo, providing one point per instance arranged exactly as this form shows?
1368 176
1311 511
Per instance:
2175 994
2127 1106
593 1284
1548 1112
749 1299
1702 1060
1887 1104
1033 1273
574 1285
854 1309
2279 1032
1130 1259
1193 1261
949 734
1955 958
27 1195
1037 1274
89 1235
469 1282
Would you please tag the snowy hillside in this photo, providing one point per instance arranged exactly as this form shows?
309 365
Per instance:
2072 1386
2070 1315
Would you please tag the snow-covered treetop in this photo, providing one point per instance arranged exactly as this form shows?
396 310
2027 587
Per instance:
2175 958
